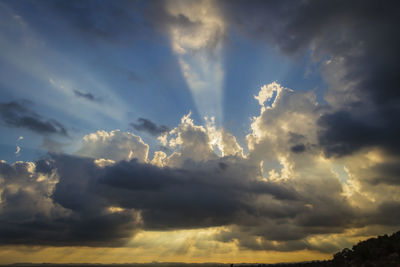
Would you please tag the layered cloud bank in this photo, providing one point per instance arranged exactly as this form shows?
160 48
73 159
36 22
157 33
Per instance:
283 195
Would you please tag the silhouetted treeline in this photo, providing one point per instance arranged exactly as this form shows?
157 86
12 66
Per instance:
305 264
383 251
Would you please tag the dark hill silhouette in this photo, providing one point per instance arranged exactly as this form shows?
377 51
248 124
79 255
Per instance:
383 251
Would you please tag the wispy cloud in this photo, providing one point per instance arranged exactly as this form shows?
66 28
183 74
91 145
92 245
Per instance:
18 148
88 96
146 125
15 114
36 61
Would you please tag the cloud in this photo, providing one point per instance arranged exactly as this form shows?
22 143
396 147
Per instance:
114 145
355 44
343 133
115 191
95 205
283 195
314 176
18 148
15 114
75 202
87 96
178 192
34 212
298 148
88 198
287 118
146 125
195 31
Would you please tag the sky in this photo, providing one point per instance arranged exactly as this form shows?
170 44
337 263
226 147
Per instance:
197 130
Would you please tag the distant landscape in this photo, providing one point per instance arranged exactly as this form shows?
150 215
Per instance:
381 251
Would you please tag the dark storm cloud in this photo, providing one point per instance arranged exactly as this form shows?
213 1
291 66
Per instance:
14 114
383 173
297 141
342 133
196 196
87 96
145 125
298 148
44 166
363 36
388 213
29 215
199 195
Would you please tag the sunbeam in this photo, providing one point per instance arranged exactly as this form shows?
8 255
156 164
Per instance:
197 43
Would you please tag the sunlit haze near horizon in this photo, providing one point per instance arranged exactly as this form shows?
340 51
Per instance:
197 130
